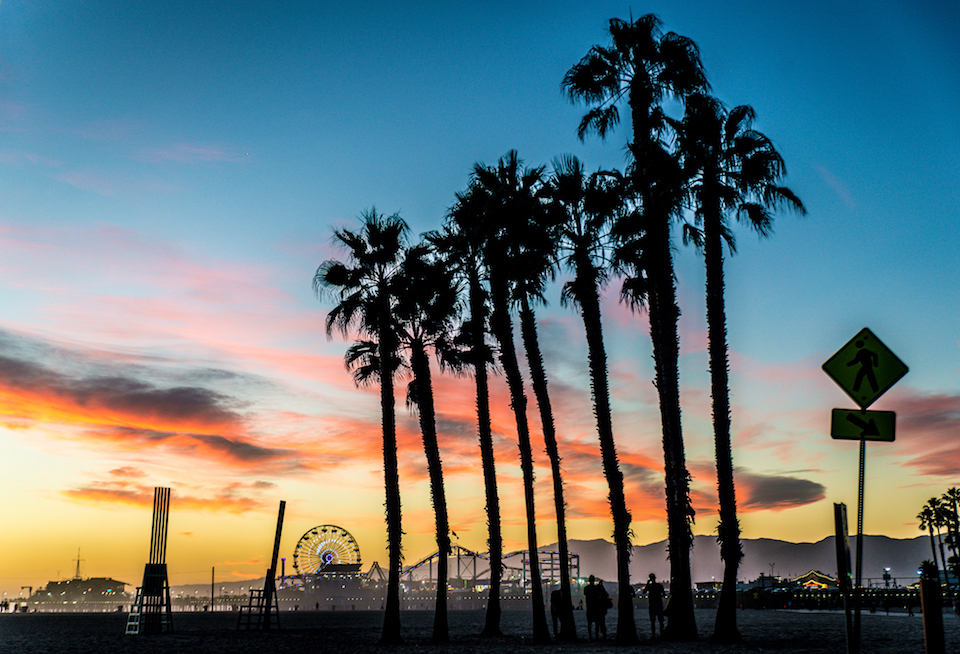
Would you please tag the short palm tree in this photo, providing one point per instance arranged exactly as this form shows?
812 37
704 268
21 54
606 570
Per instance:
362 288
927 519
951 499
587 205
641 67
734 170
425 312
940 520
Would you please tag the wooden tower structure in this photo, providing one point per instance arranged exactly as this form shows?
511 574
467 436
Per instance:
151 612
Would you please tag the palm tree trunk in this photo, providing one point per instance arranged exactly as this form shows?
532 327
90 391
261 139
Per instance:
503 331
589 300
495 543
664 315
933 543
725 628
531 343
943 556
390 634
423 395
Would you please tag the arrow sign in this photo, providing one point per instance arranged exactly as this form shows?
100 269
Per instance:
865 368
853 425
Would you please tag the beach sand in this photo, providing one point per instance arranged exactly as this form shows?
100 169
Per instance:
795 632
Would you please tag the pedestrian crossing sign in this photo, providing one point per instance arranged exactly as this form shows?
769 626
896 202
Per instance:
865 368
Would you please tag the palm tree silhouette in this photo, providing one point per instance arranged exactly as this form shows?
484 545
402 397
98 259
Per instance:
939 519
927 519
362 288
587 205
426 310
733 169
507 193
642 66
533 246
951 499
461 243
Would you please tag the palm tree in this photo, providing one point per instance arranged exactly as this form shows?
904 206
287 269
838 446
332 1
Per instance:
951 499
927 519
365 303
642 66
533 246
939 519
507 192
587 205
461 242
733 170
426 309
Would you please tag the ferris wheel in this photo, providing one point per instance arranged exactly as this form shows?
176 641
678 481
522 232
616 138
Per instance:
326 545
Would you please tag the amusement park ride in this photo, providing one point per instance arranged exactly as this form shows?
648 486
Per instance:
328 576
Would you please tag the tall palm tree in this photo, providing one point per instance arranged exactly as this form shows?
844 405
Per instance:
642 66
425 312
587 205
506 192
461 242
733 170
533 253
365 303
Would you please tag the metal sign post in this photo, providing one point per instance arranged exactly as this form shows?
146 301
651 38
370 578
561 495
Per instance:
865 369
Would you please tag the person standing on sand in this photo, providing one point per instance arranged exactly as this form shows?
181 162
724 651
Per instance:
597 600
654 591
556 601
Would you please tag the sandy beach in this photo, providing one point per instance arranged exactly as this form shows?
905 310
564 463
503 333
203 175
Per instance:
796 632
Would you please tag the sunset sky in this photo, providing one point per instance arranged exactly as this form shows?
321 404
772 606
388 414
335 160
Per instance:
169 177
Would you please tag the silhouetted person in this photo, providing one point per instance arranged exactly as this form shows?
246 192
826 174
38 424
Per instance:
654 591
597 599
868 360
556 604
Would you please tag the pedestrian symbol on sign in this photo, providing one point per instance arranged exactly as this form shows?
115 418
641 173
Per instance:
868 360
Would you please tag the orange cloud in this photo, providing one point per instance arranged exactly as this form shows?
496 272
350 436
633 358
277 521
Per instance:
234 499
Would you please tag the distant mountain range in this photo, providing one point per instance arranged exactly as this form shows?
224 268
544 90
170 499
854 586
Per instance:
902 556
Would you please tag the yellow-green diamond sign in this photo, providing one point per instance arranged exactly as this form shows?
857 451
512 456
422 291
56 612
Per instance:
865 368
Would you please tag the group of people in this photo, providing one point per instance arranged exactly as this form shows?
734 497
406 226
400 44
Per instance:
598 602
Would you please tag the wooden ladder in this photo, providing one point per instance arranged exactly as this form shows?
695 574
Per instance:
133 620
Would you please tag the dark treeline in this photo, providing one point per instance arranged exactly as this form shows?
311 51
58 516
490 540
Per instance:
454 295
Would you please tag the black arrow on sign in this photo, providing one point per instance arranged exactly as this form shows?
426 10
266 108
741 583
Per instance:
868 428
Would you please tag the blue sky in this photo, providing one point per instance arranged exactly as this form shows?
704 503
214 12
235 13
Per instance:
171 174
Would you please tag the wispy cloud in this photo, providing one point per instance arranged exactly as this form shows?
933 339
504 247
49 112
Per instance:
193 153
837 185
17 158
235 498
112 183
